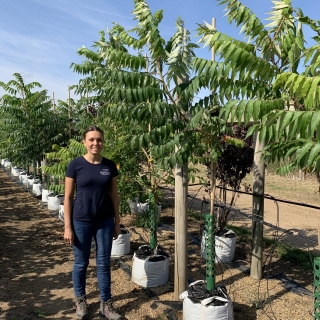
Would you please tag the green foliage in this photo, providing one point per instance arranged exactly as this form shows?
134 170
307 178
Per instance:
140 75
28 128
59 159
300 88
258 80
142 220
292 135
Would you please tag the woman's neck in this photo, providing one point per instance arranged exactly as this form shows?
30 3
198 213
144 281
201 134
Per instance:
93 158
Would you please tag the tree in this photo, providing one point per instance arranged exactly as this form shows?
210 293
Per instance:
147 80
259 79
28 127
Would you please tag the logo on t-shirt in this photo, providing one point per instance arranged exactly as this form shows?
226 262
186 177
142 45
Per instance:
105 172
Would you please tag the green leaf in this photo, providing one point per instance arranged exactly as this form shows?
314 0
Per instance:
315 122
314 154
286 120
305 121
256 109
240 111
248 113
304 151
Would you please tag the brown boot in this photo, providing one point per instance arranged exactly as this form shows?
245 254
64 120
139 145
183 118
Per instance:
81 308
107 310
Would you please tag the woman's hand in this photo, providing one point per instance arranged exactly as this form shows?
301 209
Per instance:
68 235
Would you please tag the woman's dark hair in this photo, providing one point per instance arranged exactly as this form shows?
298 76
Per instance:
91 128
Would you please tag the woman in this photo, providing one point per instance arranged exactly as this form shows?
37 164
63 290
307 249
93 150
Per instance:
94 213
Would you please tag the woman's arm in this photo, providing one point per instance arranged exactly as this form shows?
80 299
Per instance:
68 200
114 195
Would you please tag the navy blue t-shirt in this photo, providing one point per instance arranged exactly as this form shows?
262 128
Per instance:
93 182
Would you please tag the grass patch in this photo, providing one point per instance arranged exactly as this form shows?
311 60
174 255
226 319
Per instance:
300 257
304 259
195 215
240 231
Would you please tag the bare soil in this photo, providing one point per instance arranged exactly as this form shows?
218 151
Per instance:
36 264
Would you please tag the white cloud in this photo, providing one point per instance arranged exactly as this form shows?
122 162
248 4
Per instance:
109 12
78 10
19 47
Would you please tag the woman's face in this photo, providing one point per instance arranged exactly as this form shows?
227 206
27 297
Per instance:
93 142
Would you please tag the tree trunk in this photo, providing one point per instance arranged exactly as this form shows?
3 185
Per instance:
257 210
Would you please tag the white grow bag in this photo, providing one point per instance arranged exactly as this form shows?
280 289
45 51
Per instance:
225 247
15 171
54 202
30 182
121 245
139 207
37 189
204 311
21 174
61 212
7 164
24 178
148 273
45 193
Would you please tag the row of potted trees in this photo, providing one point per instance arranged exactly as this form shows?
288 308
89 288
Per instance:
34 183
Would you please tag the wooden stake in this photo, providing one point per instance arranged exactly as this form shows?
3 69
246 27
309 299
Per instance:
152 178
53 103
87 95
213 166
181 228
210 223
69 116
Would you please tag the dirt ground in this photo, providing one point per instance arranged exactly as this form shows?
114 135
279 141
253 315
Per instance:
36 264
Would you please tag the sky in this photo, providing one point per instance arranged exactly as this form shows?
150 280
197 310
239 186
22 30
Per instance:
39 38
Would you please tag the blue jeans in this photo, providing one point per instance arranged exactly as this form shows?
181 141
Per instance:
102 232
